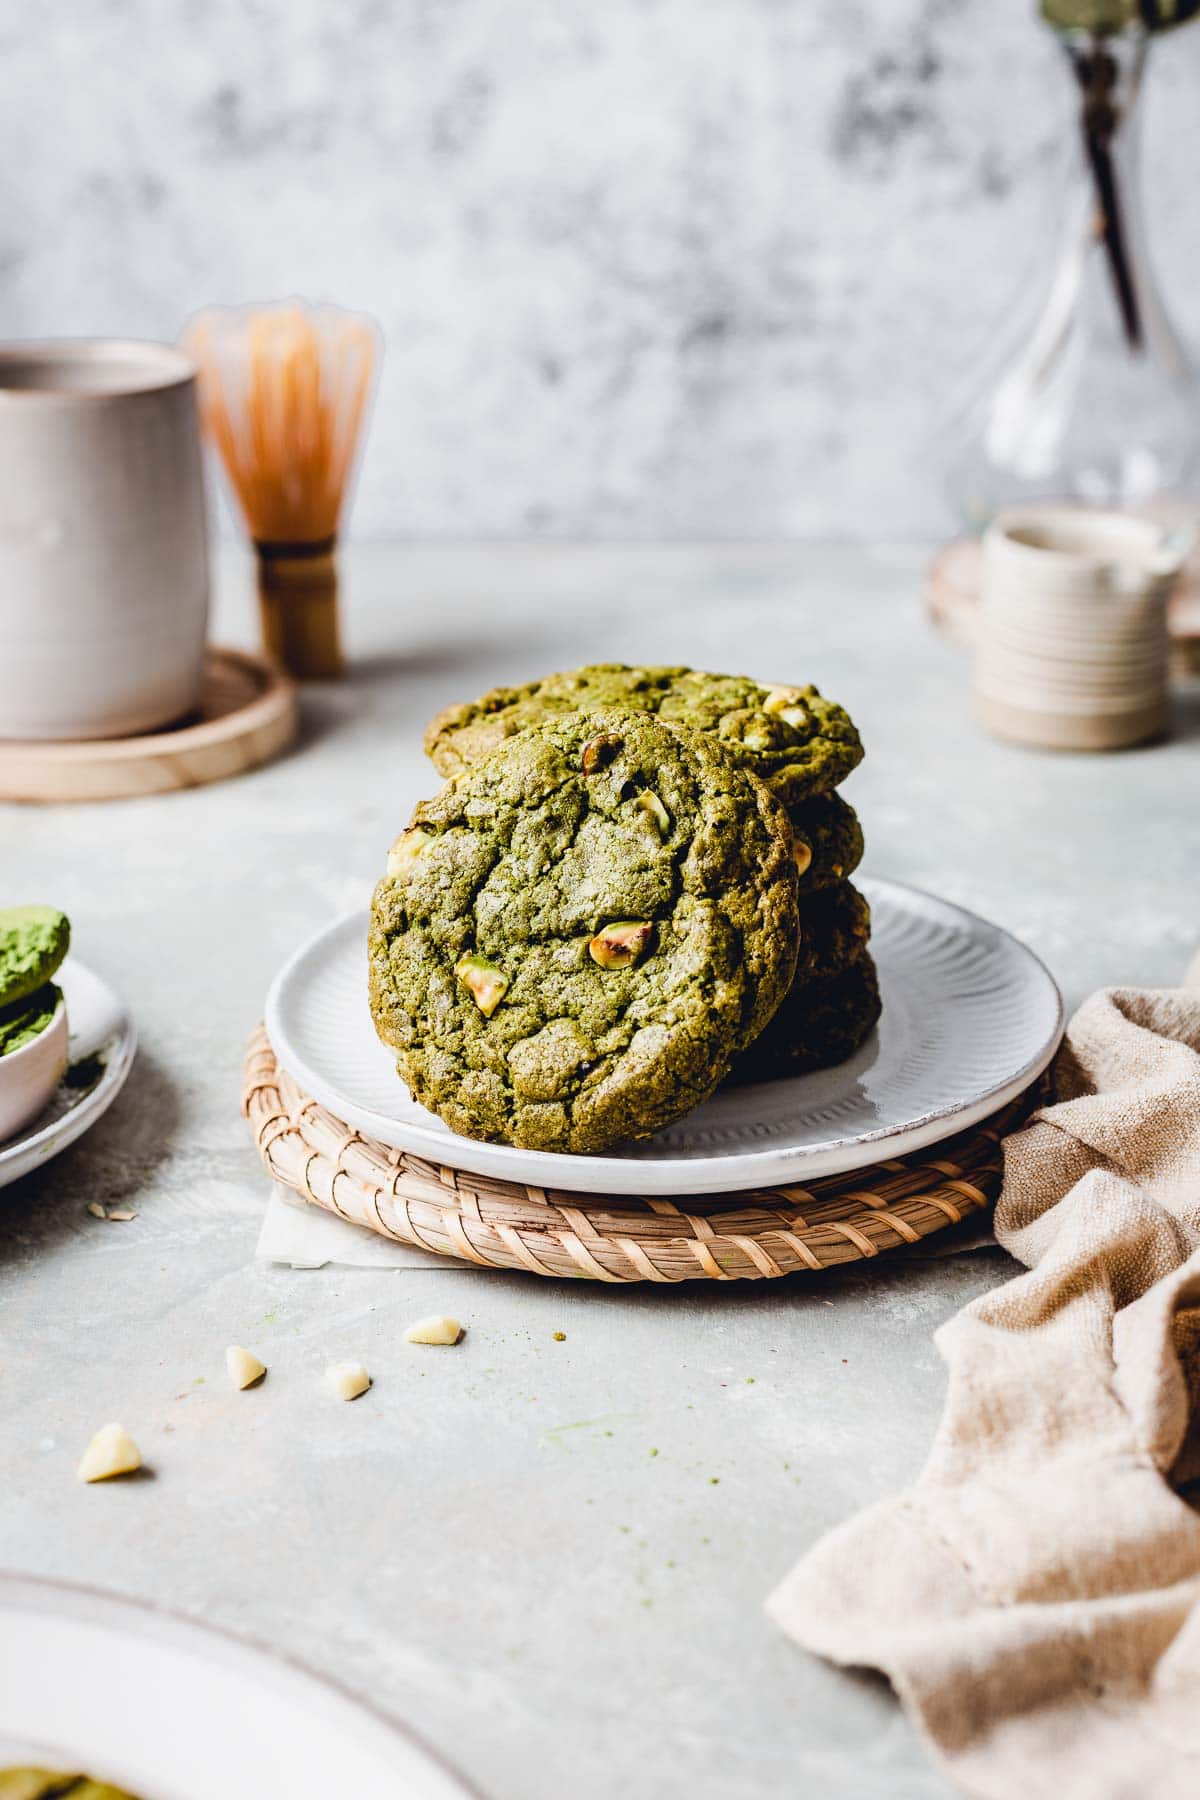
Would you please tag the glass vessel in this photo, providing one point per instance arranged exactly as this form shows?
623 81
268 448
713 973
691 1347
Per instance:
1097 402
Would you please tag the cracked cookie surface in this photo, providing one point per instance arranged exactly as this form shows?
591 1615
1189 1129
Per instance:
581 931
792 738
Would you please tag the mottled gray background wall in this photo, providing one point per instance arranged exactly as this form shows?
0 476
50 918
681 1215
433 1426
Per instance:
645 267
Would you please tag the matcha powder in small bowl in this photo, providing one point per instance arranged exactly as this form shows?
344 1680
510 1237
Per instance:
33 942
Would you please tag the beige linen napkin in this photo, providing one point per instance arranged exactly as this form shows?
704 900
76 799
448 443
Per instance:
1035 1596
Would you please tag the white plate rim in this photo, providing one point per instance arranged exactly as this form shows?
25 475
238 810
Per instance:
729 1172
38 1144
54 1594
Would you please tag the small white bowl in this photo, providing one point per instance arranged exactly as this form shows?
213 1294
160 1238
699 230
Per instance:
29 1076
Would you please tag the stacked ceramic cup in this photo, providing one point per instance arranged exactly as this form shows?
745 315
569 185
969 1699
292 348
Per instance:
1072 651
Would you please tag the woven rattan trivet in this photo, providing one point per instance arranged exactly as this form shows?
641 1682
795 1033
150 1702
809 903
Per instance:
504 1225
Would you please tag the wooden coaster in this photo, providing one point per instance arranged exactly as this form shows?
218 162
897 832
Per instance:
601 1237
952 602
247 715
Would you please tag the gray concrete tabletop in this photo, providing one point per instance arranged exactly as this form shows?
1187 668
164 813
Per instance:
549 1556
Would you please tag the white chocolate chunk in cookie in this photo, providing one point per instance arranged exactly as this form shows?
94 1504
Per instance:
406 849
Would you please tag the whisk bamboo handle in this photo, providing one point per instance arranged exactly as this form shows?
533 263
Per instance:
297 593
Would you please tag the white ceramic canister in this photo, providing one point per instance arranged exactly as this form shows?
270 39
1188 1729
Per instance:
103 539
1071 651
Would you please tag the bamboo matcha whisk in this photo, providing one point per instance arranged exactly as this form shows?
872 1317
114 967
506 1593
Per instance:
283 391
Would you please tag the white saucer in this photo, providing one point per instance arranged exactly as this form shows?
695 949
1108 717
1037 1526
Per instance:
970 1018
100 1027
176 1710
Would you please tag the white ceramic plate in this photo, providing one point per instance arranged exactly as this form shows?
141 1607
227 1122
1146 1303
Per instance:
174 1710
100 1027
970 1017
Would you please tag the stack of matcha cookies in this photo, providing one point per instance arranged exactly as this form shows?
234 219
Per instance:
632 888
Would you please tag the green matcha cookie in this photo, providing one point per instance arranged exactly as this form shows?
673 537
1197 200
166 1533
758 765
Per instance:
828 842
820 1024
835 926
795 741
33 942
577 936
23 1020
